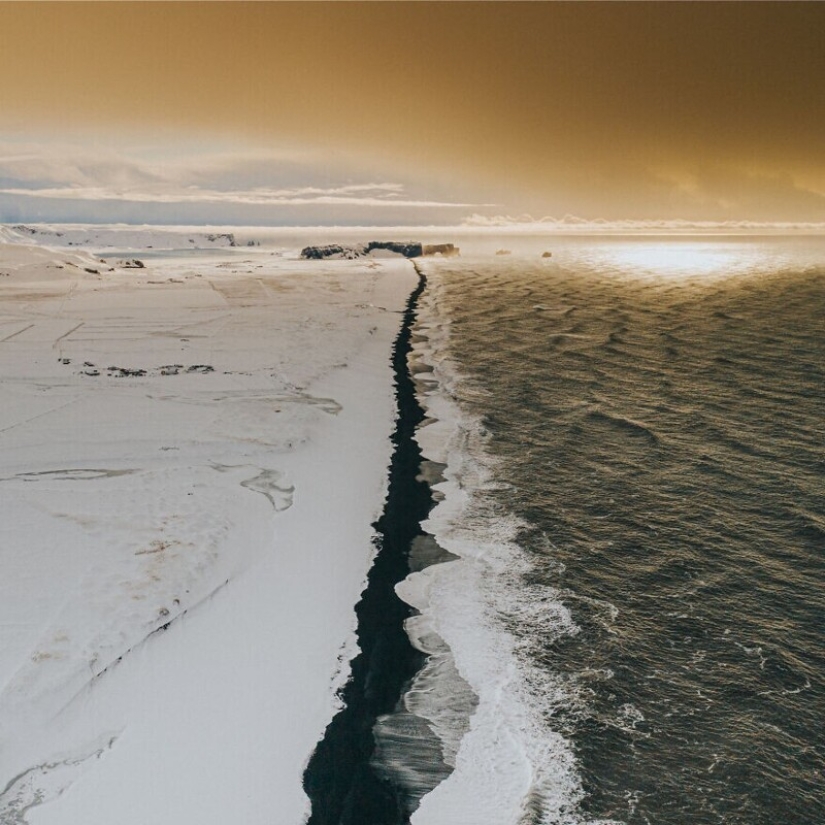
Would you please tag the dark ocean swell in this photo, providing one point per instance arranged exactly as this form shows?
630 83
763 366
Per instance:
635 444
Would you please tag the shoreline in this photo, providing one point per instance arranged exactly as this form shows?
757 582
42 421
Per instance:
507 767
351 777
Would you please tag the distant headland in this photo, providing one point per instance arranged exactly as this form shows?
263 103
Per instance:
409 249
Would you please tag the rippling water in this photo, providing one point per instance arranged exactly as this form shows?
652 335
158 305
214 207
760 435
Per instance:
657 415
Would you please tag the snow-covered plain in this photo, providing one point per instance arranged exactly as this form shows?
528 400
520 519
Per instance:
191 457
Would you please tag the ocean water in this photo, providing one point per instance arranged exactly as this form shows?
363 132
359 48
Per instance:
627 442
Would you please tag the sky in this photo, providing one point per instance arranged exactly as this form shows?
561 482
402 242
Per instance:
411 112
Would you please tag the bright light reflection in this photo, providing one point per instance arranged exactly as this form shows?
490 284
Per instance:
677 258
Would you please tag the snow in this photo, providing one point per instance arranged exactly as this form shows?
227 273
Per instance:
191 458
118 236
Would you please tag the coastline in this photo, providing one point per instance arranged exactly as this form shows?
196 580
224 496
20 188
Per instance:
346 778
508 766
252 487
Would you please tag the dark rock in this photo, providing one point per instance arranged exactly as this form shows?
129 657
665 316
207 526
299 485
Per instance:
409 249
331 251
124 372
30 230
226 237
546 254
448 250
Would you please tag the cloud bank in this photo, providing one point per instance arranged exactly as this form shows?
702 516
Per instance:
49 182
185 183
571 224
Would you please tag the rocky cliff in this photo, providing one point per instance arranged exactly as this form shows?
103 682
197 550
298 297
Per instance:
409 249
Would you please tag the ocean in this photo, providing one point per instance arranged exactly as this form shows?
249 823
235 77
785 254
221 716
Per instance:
626 442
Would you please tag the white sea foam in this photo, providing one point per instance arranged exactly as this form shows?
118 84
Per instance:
511 766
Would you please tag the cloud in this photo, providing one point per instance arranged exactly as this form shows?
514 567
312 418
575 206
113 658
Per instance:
574 224
219 182
729 191
194 182
375 195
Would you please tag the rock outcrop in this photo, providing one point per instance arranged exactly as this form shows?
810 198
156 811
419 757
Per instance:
409 249
222 239
329 251
445 249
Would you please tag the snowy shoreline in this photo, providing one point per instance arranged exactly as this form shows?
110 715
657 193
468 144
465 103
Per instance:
193 455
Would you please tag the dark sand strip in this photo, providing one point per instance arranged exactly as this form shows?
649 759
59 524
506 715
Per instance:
342 784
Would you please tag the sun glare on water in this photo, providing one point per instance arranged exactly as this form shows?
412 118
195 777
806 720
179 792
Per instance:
676 259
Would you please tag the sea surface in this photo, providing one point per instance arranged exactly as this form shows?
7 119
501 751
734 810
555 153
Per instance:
646 420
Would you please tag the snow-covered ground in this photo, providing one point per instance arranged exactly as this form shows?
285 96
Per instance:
191 457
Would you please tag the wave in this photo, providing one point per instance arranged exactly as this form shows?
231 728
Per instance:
510 766
658 494
624 425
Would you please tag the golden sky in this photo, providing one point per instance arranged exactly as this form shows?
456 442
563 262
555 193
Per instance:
613 110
